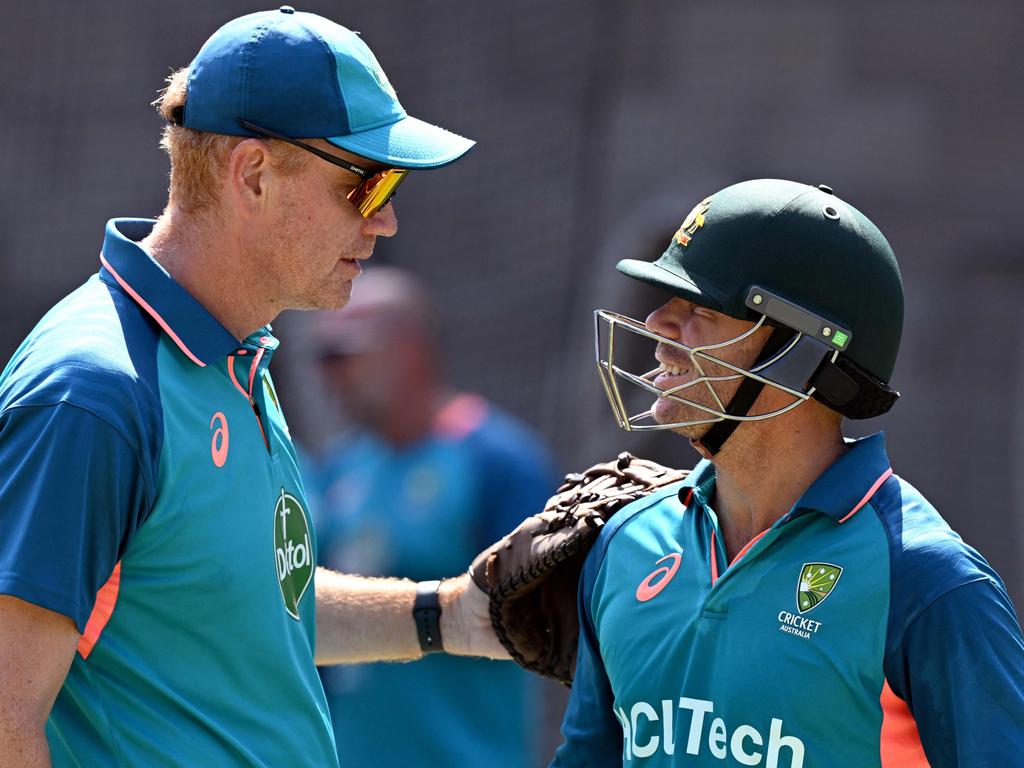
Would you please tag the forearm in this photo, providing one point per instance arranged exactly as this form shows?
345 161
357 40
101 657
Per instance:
36 649
361 619
22 744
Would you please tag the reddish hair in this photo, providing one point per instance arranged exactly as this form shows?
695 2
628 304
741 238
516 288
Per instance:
199 157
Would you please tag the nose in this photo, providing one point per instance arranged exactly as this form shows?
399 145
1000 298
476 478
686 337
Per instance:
384 223
664 321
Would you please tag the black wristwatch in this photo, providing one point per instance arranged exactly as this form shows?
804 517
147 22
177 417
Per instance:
426 611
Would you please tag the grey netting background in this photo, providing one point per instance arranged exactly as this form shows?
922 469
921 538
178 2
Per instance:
601 123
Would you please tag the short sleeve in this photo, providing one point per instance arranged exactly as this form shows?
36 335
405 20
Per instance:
960 668
71 497
593 735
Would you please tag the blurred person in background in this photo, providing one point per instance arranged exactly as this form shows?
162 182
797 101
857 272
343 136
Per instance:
424 479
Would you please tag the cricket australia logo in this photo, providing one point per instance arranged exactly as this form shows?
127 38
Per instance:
816 582
293 551
693 222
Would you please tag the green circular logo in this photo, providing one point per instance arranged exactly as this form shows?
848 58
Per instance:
293 551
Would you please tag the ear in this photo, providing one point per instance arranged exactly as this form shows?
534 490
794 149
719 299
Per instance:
249 176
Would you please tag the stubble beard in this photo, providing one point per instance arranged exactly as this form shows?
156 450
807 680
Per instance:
666 411
330 292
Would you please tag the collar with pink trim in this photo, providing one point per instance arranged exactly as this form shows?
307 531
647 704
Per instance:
850 482
839 492
187 323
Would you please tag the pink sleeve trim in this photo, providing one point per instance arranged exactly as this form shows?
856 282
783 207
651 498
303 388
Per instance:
899 741
106 599
156 315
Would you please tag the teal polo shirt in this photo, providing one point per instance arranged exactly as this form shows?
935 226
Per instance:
381 507
149 491
857 631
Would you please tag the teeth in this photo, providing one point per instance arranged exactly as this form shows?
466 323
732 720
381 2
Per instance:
674 370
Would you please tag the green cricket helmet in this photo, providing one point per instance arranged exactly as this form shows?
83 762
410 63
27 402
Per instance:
788 256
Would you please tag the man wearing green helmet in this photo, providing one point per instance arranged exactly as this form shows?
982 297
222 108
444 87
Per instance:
793 602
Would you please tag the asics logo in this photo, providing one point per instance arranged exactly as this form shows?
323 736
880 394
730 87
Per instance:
651 586
219 443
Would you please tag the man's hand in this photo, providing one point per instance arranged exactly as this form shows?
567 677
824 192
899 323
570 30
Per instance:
466 628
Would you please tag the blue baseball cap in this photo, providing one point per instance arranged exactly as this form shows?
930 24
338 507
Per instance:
304 76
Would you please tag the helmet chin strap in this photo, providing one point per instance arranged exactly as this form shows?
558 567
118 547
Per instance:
741 402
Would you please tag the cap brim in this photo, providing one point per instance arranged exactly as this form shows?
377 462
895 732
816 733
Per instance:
408 143
678 283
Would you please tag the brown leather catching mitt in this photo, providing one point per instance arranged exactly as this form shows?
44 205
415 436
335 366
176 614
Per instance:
532 575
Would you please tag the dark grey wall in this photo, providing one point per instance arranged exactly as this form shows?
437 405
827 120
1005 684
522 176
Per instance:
600 124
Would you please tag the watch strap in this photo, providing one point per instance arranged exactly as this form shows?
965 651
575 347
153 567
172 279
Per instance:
426 611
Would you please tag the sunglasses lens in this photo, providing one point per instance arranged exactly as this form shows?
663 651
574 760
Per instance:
374 193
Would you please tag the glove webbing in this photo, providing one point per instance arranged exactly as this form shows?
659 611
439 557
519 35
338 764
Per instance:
563 552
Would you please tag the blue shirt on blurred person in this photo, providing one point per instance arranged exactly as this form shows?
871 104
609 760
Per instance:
425 480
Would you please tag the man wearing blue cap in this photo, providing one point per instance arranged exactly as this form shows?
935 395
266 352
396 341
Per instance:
792 603
157 601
